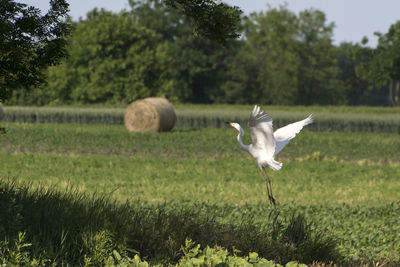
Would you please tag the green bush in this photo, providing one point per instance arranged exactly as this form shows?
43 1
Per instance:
193 255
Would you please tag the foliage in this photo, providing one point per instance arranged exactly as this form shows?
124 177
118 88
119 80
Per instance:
29 43
381 66
195 256
212 19
286 59
388 61
101 69
318 71
16 254
271 41
350 59
282 58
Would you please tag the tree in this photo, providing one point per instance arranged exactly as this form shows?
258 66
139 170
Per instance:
111 59
212 19
386 62
349 59
318 71
239 83
293 60
29 42
271 40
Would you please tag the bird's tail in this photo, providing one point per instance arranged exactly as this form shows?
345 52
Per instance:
308 120
275 165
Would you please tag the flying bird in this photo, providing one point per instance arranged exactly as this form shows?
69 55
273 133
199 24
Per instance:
266 143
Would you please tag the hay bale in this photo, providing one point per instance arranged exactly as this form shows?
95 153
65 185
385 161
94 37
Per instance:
1 111
153 114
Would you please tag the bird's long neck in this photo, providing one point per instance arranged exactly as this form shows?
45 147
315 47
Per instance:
239 138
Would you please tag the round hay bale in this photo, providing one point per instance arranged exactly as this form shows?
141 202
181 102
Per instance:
1 111
153 114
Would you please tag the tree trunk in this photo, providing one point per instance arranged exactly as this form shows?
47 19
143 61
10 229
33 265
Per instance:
391 92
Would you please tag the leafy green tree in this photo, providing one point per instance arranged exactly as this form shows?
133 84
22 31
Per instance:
385 64
271 41
348 62
200 66
294 61
169 22
318 71
239 83
212 19
111 59
29 42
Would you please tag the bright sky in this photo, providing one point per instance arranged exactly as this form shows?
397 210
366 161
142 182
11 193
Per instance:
354 19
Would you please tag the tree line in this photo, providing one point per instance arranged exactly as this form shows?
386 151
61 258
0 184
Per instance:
281 58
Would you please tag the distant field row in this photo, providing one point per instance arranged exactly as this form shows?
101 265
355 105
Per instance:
349 119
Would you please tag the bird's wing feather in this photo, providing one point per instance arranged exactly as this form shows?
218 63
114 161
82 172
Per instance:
285 134
260 124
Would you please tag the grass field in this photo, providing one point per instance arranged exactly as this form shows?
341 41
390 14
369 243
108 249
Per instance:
346 184
190 142
330 168
219 181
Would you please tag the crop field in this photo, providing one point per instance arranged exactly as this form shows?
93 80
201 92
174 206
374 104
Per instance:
338 193
371 119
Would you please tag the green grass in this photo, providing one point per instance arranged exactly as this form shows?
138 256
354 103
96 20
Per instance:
221 180
189 143
330 168
345 184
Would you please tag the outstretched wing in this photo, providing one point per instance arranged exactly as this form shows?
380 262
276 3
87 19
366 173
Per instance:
260 124
285 134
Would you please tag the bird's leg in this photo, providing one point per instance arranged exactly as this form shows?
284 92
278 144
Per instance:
269 188
266 181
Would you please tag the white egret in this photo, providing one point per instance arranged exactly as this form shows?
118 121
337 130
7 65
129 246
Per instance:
266 143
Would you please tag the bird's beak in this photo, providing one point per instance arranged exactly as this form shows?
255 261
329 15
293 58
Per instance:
229 123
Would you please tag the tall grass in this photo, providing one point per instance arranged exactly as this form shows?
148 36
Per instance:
71 228
327 119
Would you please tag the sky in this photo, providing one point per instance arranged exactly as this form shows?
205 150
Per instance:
353 19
